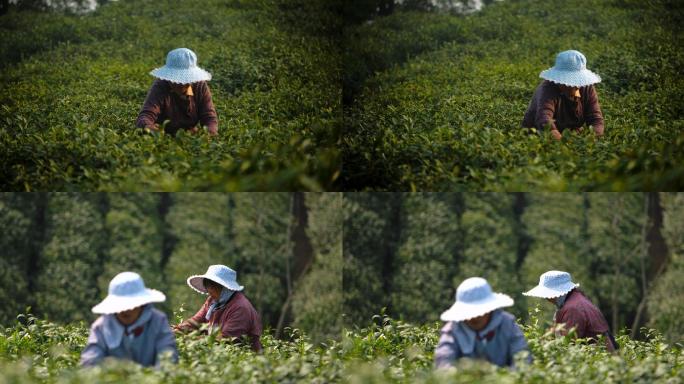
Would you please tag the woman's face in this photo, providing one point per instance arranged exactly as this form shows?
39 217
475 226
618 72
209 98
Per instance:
181 89
214 291
571 92
129 317
478 323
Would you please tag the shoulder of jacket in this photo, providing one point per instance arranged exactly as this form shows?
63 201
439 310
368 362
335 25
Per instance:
98 323
448 327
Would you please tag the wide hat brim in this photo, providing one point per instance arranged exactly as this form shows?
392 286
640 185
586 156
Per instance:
196 282
181 76
115 304
462 311
551 293
581 78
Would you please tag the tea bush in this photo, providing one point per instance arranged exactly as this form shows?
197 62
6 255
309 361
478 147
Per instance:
71 88
435 101
395 351
36 350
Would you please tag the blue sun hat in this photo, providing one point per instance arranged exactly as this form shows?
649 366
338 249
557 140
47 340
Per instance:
474 297
552 284
181 67
571 70
220 274
127 291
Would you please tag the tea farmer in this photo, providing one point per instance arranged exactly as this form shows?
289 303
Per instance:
129 326
573 308
476 327
566 99
226 309
181 95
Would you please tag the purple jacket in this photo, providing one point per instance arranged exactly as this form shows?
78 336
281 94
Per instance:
579 313
183 112
548 105
236 319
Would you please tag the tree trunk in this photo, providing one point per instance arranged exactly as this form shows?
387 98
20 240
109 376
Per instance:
302 253
595 264
654 253
616 263
302 250
524 239
657 247
393 237
169 240
38 232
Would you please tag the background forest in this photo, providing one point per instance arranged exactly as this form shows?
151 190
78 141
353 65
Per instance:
408 252
60 250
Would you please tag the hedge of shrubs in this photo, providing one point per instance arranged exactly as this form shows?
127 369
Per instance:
71 87
435 101
388 351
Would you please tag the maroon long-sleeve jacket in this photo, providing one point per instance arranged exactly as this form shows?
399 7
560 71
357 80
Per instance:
236 319
184 112
580 313
550 106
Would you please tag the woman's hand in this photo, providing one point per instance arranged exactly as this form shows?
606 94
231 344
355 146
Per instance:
556 134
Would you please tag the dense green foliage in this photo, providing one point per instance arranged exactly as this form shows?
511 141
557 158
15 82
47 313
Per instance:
35 350
409 252
434 101
40 351
60 251
71 87
395 351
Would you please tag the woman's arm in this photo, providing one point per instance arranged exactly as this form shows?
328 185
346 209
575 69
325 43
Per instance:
196 320
165 341
206 110
151 108
592 112
446 351
95 349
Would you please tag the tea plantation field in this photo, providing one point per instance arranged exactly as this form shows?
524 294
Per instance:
434 101
389 351
71 88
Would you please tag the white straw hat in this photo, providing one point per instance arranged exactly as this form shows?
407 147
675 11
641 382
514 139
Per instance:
552 284
216 273
127 291
571 70
474 297
181 67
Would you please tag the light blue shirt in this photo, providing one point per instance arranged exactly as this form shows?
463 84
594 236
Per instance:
497 343
142 342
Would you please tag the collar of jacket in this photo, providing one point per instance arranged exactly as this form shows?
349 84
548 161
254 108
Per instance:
114 331
466 337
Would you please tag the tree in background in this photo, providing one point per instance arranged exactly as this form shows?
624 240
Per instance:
617 222
264 250
15 245
371 231
132 224
72 257
492 229
317 298
666 300
558 224
201 223
427 257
